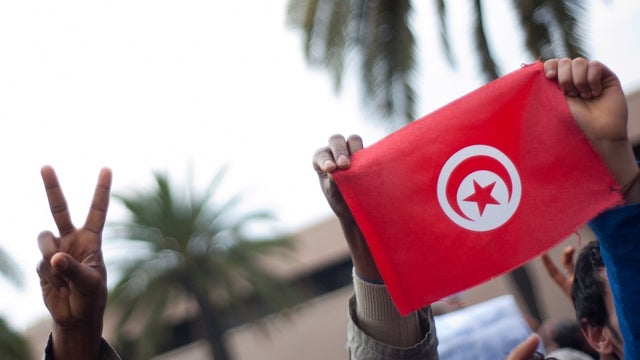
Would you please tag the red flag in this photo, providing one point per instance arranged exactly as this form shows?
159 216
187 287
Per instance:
476 188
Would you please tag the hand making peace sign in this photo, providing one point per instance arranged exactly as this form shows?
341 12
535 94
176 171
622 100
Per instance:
72 272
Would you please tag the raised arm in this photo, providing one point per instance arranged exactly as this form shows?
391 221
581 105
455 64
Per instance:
335 156
598 105
72 272
564 279
377 331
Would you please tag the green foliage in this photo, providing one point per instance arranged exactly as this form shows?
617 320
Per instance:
13 346
379 35
9 269
194 250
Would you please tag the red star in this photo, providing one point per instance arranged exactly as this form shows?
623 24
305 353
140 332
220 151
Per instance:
482 196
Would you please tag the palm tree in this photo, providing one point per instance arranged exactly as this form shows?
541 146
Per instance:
197 251
379 34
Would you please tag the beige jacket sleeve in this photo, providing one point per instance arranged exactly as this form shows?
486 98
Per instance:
377 331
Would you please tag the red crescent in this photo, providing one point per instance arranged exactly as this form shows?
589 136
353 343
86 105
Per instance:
468 166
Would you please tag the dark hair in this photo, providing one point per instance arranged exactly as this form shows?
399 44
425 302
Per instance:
567 334
589 289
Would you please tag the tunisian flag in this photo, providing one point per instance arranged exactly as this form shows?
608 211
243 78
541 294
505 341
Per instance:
476 188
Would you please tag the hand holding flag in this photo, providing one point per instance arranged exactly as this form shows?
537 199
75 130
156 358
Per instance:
599 107
422 231
337 156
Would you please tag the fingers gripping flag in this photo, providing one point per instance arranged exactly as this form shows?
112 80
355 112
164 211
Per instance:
476 188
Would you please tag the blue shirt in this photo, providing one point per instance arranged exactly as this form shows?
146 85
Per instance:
618 231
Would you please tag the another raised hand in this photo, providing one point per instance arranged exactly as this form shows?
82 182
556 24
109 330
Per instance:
72 272
564 280
337 156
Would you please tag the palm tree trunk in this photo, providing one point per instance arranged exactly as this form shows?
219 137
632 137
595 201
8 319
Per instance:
523 281
214 331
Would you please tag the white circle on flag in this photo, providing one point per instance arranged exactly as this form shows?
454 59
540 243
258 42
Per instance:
479 188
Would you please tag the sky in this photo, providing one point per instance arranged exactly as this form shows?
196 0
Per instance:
144 86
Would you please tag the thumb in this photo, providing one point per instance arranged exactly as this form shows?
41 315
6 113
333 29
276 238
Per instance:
79 276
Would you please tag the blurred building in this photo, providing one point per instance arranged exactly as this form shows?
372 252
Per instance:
316 329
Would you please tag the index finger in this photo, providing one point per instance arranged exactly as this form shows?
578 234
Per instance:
57 202
100 203
323 161
553 271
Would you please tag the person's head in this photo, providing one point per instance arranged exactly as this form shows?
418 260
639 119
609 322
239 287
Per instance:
564 334
593 302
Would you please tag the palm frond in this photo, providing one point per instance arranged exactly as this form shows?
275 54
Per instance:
552 28
378 33
336 42
144 274
10 270
302 14
388 50
201 201
568 14
537 36
487 63
441 6
217 213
